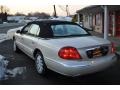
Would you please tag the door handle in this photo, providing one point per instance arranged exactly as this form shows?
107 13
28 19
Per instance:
33 42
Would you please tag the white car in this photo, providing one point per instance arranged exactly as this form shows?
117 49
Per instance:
64 47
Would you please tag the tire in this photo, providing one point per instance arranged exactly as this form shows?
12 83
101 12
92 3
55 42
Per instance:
15 47
40 64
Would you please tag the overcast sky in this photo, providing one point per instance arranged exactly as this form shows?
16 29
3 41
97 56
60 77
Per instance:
26 6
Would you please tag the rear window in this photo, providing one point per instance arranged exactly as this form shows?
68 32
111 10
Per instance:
67 30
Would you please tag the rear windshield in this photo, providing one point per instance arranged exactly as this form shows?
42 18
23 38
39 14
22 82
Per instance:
68 30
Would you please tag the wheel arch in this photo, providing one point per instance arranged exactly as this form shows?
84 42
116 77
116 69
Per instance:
35 51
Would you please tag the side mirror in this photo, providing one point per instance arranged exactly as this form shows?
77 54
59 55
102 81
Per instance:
18 31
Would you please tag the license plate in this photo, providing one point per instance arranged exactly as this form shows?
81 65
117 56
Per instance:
97 52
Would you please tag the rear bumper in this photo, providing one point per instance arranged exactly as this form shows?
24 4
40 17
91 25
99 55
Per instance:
76 68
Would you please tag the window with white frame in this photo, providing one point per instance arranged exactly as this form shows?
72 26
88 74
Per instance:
86 18
98 19
90 21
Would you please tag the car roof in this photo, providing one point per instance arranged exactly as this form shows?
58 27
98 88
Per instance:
51 22
45 30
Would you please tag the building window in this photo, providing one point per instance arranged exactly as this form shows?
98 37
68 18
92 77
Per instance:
90 21
97 19
86 18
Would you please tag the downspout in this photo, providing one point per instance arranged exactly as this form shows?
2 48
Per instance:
114 33
78 18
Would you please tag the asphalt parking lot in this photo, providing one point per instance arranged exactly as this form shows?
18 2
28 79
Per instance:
30 77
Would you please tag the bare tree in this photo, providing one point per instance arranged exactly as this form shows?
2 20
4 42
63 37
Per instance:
4 9
1 9
3 12
41 15
19 14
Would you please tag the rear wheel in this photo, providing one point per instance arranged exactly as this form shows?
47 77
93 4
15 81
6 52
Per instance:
40 64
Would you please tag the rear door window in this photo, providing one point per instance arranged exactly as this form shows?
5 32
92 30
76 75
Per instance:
68 30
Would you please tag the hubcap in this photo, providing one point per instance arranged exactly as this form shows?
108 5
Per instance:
39 64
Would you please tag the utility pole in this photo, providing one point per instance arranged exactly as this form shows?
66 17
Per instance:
55 15
67 11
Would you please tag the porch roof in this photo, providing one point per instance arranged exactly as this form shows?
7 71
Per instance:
97 9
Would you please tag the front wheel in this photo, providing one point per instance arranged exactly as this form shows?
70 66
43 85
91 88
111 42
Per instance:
40 64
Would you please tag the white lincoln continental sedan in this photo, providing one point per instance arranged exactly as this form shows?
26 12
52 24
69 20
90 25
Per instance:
64 47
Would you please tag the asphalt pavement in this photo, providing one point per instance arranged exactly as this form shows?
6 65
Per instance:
109 76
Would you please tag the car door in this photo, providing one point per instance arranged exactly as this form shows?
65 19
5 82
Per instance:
19 37
31 38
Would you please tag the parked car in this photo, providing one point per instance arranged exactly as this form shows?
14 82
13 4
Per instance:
64 47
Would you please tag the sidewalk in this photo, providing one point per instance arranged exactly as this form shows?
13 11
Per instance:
112 39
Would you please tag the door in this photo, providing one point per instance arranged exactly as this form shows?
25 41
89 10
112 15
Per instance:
30 39
19 38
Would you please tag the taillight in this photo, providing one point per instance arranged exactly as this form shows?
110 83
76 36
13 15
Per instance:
113 49
69 53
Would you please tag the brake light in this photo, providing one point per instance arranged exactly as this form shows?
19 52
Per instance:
69 53
113 49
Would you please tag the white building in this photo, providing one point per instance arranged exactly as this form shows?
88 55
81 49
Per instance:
16 18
